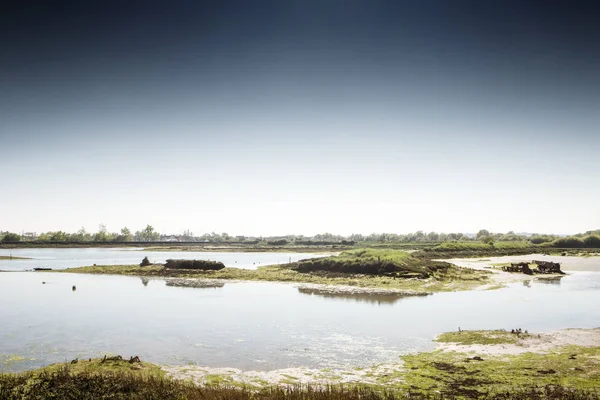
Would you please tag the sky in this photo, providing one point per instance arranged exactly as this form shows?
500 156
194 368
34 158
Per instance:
300 117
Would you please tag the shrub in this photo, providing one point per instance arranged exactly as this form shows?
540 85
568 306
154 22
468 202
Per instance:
372 262
145 262
487 240
591 241
568 242
280 242
540 239
204 265
11 238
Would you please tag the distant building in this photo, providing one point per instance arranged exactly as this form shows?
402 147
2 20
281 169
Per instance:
29 236
170 238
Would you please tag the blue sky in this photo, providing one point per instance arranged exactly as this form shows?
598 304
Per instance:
274 119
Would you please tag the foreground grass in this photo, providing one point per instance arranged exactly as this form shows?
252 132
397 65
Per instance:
567 373
460 374
440 276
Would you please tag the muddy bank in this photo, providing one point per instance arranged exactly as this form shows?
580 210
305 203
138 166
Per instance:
288 376
513 344
419 371
568 263
323 289
194 283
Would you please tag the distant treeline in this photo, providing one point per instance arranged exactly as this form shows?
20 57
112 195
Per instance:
590 239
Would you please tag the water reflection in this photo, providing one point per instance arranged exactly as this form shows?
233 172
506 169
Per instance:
58 258
144 281
552 280
195 283
379 299
262 325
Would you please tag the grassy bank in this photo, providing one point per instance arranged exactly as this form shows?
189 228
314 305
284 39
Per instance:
410 274
14 258
455 373
569 372
497 249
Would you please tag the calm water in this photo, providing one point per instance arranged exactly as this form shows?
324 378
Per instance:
78 257
260 326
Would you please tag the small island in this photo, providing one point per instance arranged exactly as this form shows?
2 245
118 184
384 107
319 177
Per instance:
393 270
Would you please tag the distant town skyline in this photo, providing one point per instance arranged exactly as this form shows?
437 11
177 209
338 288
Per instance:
282 117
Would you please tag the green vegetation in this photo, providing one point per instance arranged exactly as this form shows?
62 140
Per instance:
426 276
590 241
366 261
458 246
567 371
11 238
65 384
482 337
478 249
14 258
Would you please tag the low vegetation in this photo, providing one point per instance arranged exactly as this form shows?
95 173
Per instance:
590 241
566 373
482 337
457 246
410 274
373 262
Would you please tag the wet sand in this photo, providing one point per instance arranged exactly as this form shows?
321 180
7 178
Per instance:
568 263
535 343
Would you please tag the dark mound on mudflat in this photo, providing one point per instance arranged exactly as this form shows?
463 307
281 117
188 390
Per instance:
204 265
373 262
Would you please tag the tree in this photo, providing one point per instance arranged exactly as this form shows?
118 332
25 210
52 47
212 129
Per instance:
11 238
487 240
58 236
102 235
147 234
482 233
433 236
125 235
592 241
80 236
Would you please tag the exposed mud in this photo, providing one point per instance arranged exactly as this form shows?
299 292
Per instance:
288 376
318 288
533 343
195 283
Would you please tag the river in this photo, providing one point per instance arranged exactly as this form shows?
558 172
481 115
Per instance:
78 257
260 326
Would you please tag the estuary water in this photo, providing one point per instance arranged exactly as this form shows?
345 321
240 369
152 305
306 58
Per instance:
78 257
260 326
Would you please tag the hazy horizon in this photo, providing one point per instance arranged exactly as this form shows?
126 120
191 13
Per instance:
273 118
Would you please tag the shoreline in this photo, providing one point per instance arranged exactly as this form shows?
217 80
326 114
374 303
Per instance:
574 346
470 364
466 279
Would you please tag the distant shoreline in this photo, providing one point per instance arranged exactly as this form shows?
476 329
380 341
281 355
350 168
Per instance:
14 258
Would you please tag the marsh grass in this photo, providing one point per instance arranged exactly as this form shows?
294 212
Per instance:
572 371
482 337
427 376
14 258
411 274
